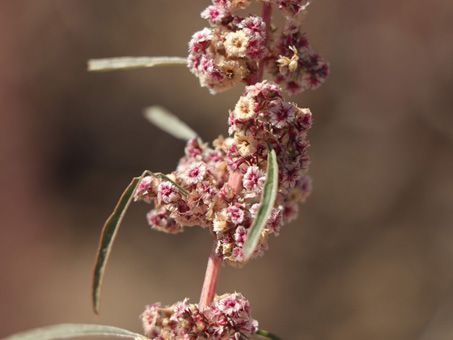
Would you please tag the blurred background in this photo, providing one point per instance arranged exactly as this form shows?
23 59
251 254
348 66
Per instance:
370 256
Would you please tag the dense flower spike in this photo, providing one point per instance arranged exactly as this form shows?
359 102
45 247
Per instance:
200 192
227 318
231 50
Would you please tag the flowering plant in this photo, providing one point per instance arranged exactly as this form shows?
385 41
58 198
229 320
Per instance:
244 187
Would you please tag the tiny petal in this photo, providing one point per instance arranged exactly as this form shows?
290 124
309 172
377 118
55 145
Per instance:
167 192
145 189
254 179
196 173
236 44
235 213
282 113
245 108
214 14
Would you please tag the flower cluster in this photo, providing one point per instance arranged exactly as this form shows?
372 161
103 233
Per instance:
220 187
234 47
229 51
294 65
227 318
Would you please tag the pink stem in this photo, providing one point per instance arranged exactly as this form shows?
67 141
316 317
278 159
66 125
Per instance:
215 263
267 13
211 277
235 183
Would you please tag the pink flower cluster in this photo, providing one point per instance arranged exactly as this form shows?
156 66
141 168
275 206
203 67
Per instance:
297 68
234 47
220 187
227 318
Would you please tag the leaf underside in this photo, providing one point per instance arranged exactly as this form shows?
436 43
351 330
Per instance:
66 331
131 63
108 235
266 205
169 123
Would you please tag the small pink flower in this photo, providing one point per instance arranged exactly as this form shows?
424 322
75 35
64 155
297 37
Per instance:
256 49
293 7
275 221
224 4
254 179
150 319
145 189
238 254
159 219
254 210
167 192
282 113
290 212
236 44
228 318
291 173
233 304
264 91
214 14
304 119
254 26
235 213
196 173
240 235
200 41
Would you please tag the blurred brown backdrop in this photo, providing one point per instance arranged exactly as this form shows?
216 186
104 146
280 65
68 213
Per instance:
370 256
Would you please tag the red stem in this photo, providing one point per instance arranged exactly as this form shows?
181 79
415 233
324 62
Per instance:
211 277
235 183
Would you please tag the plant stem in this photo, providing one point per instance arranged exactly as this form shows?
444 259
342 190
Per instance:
268 335
211 277
214 262
267 13
235 182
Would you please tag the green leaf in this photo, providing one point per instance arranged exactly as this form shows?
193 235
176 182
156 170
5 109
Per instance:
268 335
130 63
169 123
266 205
108 237
66 331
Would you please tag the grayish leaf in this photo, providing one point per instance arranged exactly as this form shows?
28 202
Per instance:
169 123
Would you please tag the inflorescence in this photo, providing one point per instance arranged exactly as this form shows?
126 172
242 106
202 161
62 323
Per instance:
201 191
228 318
219 187
231 49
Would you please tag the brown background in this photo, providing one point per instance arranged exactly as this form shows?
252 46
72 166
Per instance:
370 256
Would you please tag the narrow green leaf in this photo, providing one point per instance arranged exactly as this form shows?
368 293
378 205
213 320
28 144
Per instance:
130 63
268 335
108 237
266 205
169 123
66 331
